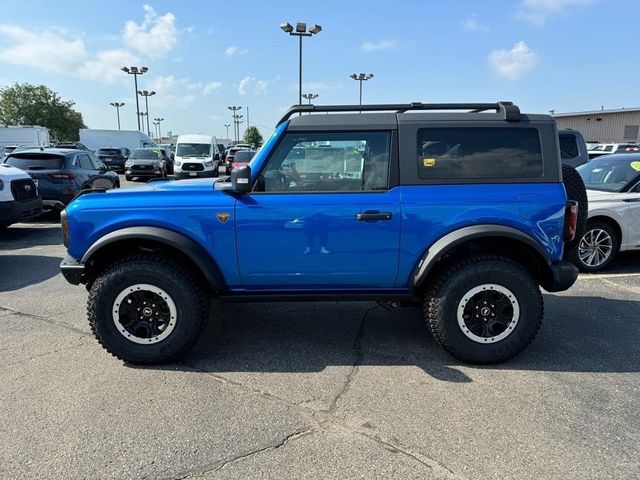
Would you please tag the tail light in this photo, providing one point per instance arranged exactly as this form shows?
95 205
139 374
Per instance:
62 176
570 220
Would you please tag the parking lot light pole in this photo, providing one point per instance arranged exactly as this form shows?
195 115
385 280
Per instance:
159 128
146 94
135 71
237 121
234 109
155 129
310 96
227 125
300 31
117 105
362 77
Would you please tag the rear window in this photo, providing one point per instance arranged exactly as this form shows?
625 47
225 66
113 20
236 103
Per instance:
145 154
472 152
40 161
109 151
568 147
243 156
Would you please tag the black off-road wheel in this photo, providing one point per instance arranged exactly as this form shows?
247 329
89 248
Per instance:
146 309
484 309
574 186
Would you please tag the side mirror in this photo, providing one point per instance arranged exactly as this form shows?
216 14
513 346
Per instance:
241 179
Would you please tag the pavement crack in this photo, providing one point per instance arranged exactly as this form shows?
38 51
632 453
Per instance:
359 356
243 456
51 352
43 319
622 287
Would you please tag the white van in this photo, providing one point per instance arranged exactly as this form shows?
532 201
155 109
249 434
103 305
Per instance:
196 156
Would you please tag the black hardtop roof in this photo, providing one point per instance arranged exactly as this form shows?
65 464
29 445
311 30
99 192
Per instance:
49 150
389 115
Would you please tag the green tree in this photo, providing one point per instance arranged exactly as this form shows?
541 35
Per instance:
252 136
26 104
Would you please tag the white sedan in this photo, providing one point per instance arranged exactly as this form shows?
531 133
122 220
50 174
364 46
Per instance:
613 188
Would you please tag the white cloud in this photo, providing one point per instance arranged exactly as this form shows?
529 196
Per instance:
537 12
106 65
43 50
261 87
211 87
244 85
369 47
471 23
513 64
233 50
155 36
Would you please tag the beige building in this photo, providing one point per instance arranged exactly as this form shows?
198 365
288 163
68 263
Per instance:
604 126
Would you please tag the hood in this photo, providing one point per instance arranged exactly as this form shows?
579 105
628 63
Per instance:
599 196
7 172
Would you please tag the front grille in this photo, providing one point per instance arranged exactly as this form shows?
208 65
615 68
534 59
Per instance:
23 189
142 167
192 167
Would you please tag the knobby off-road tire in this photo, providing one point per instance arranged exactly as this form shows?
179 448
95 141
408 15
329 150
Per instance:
502 290
146 309
574 186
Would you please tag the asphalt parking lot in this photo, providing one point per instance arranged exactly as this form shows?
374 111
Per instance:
332 390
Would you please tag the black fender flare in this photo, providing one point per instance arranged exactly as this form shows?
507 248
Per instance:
195 252
452 239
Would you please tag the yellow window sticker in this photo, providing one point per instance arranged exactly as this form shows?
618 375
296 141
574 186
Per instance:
635 166
429 162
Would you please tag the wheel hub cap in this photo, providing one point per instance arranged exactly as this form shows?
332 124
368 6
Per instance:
144 314
488 313
595 247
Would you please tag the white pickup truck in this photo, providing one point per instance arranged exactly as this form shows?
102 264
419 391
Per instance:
19 199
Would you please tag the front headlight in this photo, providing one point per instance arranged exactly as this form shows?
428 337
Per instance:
156 164
178 163
208 164
128 163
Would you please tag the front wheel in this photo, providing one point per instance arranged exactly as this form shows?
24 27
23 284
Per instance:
596 248
484 309
145 309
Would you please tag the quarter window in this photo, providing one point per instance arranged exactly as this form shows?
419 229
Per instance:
470 153
328 162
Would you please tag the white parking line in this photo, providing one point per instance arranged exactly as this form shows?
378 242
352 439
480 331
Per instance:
627 288
591 276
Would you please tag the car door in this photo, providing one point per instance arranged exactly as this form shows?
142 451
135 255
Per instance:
94 170
326 221
631 216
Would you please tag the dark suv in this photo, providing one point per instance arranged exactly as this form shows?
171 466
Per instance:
113 158
464 212
61 174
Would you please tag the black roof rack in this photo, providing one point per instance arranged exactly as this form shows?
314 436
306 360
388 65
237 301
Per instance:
507 110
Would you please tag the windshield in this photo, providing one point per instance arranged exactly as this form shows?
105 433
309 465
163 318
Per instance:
193 150
109 151
609 174
145 153
42 161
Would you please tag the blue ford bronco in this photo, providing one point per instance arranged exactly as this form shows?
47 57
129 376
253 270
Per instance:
465 211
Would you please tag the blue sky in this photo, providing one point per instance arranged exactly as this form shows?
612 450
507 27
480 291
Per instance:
568 55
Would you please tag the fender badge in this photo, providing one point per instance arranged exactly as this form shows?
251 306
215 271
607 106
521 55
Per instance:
223 217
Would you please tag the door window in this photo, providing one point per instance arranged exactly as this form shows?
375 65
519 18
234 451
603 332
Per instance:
84 162
328 162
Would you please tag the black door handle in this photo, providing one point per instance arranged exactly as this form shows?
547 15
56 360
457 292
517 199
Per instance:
373 216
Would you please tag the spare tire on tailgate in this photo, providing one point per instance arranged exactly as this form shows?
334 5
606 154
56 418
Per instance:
574 186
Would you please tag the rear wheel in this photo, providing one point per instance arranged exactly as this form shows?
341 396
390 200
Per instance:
146 309
484 309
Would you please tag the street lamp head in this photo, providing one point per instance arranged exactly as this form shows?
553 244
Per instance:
354 76
301 27
153 93
144 70
286 27
125 69
315 29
